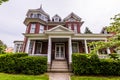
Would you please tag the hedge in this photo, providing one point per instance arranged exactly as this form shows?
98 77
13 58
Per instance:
7 62
84 64
32 65
23 64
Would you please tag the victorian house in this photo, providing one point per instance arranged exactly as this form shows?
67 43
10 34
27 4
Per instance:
55 37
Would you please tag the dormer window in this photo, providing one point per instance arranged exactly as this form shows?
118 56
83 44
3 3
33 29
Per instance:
56 18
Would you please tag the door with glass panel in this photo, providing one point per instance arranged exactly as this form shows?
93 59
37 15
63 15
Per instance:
59 51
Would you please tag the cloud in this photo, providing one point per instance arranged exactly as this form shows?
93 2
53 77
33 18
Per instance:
95 13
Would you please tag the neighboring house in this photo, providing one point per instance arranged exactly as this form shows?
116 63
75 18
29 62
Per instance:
57 38
18 45
9 49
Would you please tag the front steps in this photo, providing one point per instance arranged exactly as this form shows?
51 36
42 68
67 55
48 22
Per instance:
59 66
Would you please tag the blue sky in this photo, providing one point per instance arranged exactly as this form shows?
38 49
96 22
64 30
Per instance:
95 13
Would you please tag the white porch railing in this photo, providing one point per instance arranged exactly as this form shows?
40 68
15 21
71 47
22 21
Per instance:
38 54
103 56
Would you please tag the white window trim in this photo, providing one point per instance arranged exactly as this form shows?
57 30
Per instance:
75 28
41 30
32 28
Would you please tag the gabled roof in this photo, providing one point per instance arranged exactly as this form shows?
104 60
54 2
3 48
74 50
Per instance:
59 30
72 15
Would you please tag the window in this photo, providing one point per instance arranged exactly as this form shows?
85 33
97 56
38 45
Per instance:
30 47
75 28
32 29
69 26
75 47
41 29
38 48
56 19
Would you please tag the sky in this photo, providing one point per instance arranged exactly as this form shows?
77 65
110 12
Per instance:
95 13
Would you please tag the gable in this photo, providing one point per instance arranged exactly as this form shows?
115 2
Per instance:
72 17
59 29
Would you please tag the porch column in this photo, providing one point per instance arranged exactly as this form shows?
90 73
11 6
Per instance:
33 50
86 47
70 50
15 47
27 46
108 51
49 50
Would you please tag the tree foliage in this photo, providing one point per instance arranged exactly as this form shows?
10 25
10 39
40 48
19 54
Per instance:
1 1
114 40
87 31
2 47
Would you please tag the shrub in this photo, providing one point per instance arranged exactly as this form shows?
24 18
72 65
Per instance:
114 56
95 63
32 65
83 65
22 63
7 62
80 64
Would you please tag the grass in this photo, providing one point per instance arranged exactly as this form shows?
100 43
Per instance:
4 76
94 78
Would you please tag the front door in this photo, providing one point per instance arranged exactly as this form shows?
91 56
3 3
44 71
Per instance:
60 51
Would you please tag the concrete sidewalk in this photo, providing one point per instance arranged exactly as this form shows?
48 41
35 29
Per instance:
59 76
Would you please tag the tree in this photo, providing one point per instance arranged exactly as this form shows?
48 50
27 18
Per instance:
1 1
2 47
87 31
114 40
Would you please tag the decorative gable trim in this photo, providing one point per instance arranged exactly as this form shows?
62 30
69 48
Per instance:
59 30
72 15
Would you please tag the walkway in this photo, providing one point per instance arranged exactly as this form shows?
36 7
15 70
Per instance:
59 76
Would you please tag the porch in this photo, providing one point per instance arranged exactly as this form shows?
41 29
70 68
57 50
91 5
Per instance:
59 48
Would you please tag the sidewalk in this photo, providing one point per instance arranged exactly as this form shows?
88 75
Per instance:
59 76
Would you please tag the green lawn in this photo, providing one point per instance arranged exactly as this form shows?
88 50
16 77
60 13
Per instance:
4 76
93 78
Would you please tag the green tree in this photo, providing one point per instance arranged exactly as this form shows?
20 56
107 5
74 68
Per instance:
114 40
87 31
2 47
1 1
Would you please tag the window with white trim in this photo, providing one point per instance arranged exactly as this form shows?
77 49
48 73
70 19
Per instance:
30 47
41 29
75 47
32 29
38 48
70 26
75 28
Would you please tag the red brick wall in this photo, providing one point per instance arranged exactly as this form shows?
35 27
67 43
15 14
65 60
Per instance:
37 28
